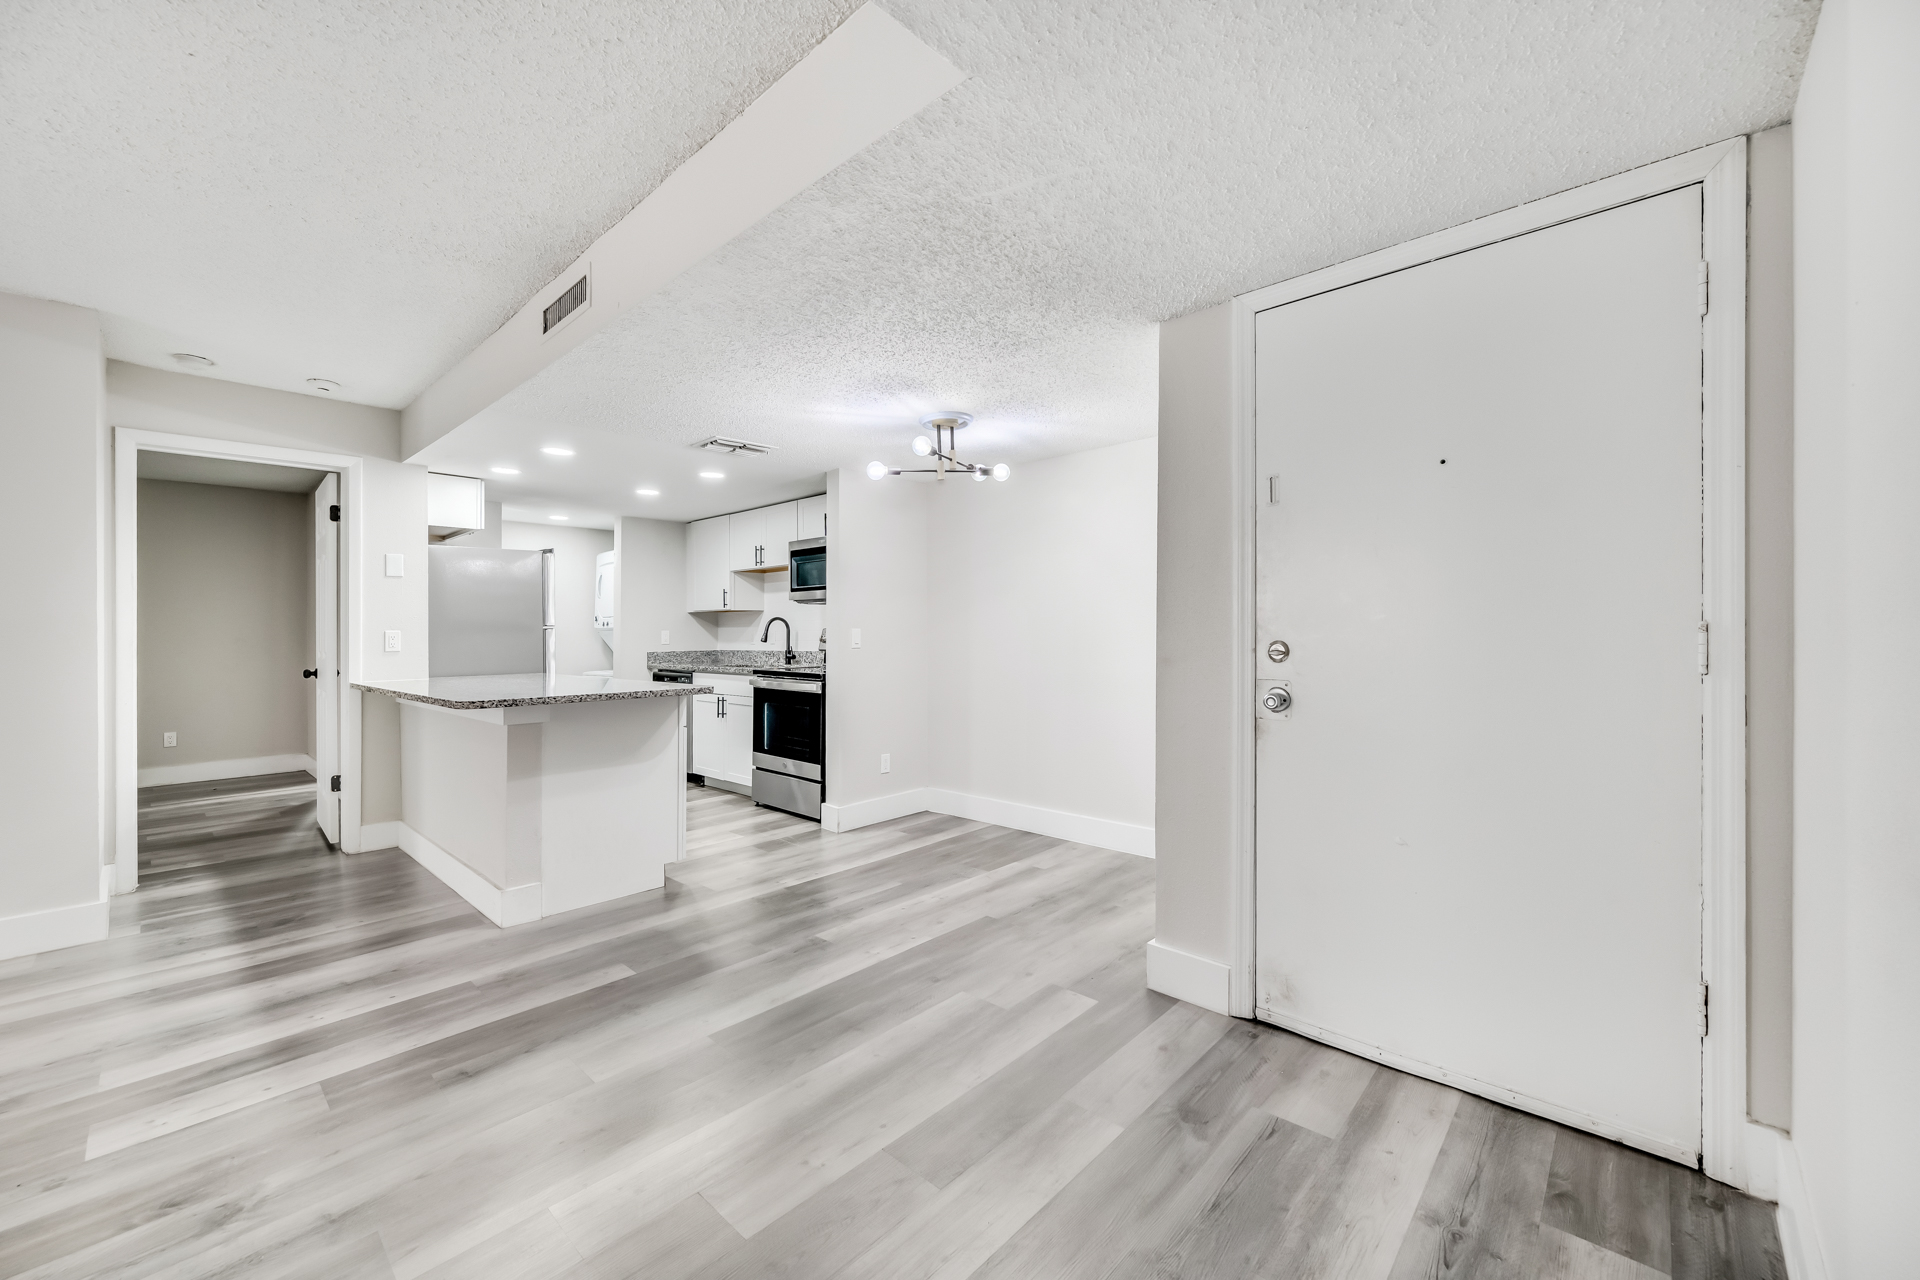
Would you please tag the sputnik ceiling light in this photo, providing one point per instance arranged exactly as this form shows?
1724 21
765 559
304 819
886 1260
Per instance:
941 446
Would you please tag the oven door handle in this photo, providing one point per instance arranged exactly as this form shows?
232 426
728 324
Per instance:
791 686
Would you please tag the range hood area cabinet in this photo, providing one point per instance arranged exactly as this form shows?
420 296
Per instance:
455 505
727 556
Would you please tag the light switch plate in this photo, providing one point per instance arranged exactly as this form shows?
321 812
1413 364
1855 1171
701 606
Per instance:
396 565
393 642
886 764
855 642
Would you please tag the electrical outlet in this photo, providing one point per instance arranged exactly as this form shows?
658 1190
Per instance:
396 565
393 642
663 639
169 739
886 764
855 642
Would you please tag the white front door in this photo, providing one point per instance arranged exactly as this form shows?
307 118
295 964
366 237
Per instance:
1479 534
326 622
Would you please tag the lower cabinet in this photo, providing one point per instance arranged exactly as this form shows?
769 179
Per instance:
721 729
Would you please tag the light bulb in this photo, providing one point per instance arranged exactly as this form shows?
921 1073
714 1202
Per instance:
922 446
1002 471
979 475
876 471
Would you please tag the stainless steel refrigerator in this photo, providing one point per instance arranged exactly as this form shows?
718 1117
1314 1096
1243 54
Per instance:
489 612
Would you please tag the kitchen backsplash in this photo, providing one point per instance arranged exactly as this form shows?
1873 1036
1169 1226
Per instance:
697 659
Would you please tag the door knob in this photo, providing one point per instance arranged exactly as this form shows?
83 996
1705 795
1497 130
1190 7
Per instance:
1278 700
309 673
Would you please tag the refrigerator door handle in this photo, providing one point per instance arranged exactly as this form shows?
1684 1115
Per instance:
547 611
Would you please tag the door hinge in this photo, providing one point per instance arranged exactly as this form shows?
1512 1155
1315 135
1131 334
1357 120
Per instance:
1703 648
333 513
1703 288
1705 1002
335 784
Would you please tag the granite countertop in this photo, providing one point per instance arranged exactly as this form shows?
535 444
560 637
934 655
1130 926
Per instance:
468 693
732 662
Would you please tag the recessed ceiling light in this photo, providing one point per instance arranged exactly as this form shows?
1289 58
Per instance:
556 451
556 517
713 475
192 361
327 385
506 471
648 493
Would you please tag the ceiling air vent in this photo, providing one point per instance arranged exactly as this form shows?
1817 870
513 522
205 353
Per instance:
564 305
720 444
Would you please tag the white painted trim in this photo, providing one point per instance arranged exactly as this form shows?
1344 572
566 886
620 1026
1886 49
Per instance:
127 442
1720 170
1102 833
1485 1089
864 813
519 904
1799 1236
165 775
52 929
1184 976
379 835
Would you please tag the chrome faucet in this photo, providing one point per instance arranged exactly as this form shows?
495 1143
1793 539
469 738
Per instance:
786 629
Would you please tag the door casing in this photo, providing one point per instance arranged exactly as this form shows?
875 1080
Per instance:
1721 172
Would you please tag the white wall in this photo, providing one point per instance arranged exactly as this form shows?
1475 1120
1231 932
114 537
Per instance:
653 594
1856 913
1197 717
1041 610
578 648
53 757
878 571
226 623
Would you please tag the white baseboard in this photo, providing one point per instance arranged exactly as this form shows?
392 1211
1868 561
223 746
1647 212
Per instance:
379 835
52 929
1102 833
1188 977
1771 1157
519 904
166 775
864 813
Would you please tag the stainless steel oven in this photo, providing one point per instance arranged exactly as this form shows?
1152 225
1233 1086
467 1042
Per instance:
790 741
807 571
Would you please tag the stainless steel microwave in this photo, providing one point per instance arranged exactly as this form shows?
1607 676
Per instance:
807 571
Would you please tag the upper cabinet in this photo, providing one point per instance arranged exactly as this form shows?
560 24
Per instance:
712 585
747 539
781 521
729 556
812 521
455 505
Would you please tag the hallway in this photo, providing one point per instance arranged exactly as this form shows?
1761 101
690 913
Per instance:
923 1048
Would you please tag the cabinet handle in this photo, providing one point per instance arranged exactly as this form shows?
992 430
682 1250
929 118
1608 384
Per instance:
723 597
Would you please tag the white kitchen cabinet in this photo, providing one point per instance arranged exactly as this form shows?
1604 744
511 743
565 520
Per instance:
781 521
722 732
812 517
455 504
712 586
747 533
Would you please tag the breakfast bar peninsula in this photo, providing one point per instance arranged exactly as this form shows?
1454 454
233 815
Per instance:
530 795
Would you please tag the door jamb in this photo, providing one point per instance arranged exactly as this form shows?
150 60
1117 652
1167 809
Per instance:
127 444
1721 172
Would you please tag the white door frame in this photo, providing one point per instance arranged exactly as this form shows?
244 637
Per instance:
1721 171
127 444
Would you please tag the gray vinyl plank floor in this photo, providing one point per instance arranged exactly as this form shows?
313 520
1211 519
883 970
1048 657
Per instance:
920 1050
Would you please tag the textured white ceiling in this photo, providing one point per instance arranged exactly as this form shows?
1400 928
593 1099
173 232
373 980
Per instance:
374 193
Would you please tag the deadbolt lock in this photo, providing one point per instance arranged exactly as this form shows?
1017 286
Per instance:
1278 651
1278 700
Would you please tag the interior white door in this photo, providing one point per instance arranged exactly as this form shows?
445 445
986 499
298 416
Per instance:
326 648
1479 534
